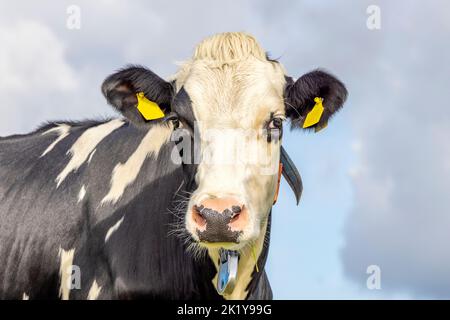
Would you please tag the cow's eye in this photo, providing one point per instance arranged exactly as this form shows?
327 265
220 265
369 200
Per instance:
274 129
276 123
176 124
175 120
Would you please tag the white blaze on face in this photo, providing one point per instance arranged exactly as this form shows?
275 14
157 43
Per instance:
234 91
85 144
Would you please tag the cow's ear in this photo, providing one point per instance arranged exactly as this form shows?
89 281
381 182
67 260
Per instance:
122 88
305 98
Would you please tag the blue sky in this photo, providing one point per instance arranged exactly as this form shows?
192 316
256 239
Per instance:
375 180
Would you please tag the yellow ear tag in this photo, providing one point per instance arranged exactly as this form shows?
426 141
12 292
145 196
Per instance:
314 115
149 109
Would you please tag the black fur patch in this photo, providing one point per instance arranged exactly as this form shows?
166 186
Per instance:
121 87
182 107
299 97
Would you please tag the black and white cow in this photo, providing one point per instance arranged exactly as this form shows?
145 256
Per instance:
129 208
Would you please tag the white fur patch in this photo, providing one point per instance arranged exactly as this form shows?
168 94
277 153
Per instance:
63 131
113 229
125 173
81 194
65 272
229 47
94 291
25 296
84 145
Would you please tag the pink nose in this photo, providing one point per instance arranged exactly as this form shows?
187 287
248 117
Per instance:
220 219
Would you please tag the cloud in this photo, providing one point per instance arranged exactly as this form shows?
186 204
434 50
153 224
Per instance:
32 67
401 217
32 58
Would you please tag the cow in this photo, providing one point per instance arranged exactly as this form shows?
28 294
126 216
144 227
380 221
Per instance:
159 203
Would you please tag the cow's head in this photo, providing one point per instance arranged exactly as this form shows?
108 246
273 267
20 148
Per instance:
231 101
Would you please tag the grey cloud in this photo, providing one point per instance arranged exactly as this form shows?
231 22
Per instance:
400 220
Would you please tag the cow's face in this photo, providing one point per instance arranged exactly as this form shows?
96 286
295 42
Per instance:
239 111
230 102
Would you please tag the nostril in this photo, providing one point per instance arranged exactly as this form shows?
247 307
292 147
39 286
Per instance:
235 217
199 209
197 215
236 209
236 213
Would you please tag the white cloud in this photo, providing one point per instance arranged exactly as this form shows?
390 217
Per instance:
34 75
32 59
401 217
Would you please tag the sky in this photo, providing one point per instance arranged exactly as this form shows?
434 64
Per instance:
376 180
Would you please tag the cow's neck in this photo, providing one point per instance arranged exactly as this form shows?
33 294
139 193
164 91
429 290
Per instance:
247 265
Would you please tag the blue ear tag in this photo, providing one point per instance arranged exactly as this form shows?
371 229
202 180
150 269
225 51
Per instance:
228 268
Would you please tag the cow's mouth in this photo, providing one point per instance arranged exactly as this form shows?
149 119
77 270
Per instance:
221 245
